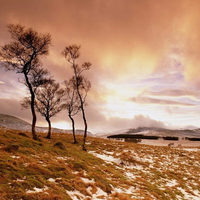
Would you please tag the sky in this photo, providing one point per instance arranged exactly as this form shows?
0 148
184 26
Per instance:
145 57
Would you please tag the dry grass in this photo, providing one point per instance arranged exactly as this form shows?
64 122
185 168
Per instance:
38 170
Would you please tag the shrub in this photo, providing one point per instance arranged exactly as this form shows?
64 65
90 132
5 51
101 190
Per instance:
12 148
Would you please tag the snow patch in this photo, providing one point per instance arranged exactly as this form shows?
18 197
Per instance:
106 158
61 158
171 183
86 180
37 190
130 175
189 196
191 149
20 180
75 195
52 180
99 195
15 156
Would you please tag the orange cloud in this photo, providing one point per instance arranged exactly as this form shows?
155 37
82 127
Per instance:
149 100
124 41
127 38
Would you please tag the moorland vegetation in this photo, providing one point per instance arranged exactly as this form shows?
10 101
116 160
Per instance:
57 170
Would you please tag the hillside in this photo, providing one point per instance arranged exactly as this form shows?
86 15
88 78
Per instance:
109 170
12 122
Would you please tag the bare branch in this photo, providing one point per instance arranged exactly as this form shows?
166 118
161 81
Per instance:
78 82
22 55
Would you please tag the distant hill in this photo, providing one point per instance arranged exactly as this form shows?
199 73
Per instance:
155 131
12 122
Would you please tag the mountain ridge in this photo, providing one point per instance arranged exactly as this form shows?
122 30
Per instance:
155 131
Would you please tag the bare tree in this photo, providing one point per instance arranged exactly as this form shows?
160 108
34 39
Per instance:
72 104
23 56
81 84
48 101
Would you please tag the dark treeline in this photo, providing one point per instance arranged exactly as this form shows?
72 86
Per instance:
23 55
192 139
139 137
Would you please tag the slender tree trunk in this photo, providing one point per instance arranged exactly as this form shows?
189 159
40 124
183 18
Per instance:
82 109
34 119
85 122
85 131
73 130
84 118
49 129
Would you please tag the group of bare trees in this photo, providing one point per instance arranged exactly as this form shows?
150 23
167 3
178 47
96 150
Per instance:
23 55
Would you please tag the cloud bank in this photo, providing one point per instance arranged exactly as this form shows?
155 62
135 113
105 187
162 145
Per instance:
149 47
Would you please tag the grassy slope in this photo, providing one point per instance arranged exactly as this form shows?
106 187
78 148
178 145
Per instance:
38 170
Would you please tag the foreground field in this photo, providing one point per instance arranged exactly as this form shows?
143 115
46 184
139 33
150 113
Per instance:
109 170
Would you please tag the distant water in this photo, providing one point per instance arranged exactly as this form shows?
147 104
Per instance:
167 142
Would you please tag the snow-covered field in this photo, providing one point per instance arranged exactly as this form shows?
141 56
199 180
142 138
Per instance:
148 165
151 172
173 173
